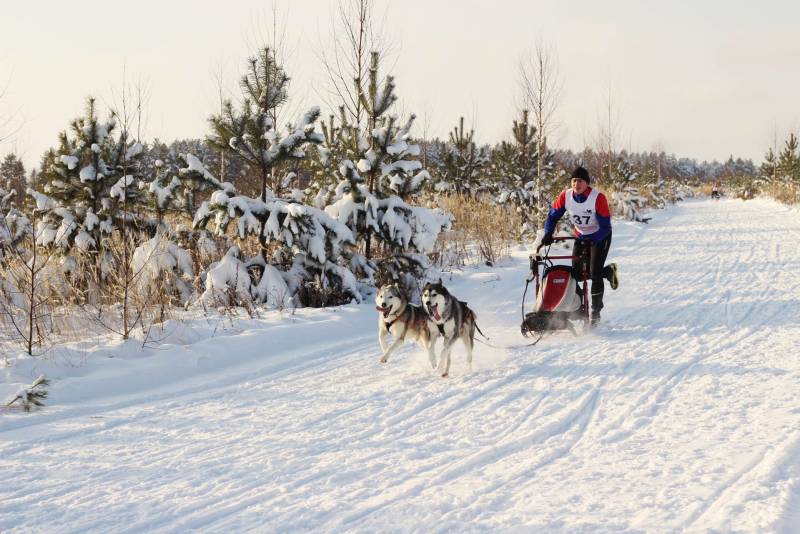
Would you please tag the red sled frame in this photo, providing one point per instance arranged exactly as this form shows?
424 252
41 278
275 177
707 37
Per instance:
539 260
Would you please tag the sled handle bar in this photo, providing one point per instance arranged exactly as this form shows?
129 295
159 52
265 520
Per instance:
562 238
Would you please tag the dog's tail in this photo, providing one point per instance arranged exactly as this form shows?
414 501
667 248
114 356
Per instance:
479 331
475 322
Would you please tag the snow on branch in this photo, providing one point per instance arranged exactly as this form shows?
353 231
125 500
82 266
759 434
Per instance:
32 395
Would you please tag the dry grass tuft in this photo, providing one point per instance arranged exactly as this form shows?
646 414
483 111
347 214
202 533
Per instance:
786 193
482 231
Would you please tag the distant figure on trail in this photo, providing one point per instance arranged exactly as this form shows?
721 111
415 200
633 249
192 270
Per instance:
588 210
715 190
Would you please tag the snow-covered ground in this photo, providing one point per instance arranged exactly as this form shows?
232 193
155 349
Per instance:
681 412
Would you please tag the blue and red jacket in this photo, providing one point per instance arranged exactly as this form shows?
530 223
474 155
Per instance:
602 212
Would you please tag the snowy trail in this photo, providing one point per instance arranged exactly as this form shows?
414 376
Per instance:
680 413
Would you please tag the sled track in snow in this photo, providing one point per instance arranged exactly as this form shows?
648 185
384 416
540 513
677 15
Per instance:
309 361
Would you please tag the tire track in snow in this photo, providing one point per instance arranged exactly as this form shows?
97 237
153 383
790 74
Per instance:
723 341
657 394
202 392
578 417
767 460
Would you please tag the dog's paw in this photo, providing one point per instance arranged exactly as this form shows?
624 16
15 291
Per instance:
445 375
384 359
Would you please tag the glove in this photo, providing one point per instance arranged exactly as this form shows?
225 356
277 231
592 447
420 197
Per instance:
547 240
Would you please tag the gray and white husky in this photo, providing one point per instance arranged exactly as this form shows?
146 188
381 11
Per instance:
454 319
404 321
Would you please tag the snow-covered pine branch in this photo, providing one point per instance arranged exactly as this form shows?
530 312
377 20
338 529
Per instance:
14 224
159 265
32 395
627 200
406 230
296 225
301 229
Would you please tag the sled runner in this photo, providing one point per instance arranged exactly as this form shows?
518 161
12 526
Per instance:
560 300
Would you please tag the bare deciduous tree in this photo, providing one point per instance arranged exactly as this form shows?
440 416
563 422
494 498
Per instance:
9 123
608 133
129 110
355 35
542 88
25 298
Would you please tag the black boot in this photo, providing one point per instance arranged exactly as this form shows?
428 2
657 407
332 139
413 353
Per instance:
610 274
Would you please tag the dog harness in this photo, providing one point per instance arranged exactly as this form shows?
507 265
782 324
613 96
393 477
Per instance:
390 323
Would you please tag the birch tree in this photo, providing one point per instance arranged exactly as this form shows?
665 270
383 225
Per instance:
542 87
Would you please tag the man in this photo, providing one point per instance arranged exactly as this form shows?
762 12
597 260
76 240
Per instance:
588 209
715 190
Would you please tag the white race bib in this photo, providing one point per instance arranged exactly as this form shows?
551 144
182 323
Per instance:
583 214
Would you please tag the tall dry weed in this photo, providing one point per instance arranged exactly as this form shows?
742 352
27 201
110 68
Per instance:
482 231
787 193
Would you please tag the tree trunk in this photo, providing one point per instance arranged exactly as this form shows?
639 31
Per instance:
262 239
31 305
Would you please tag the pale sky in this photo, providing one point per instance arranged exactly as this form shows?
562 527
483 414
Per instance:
703 79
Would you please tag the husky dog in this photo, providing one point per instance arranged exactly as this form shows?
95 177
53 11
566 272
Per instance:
454 320
404 321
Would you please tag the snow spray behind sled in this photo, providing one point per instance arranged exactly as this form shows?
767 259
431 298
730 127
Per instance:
559 298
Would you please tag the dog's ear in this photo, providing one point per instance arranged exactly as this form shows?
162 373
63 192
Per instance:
440 281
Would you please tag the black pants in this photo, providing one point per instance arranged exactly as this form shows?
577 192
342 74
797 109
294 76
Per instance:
597 267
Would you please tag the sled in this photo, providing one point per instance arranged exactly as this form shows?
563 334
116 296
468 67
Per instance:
560 299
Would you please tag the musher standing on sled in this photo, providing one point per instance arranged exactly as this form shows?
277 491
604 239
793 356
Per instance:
715 190
588 209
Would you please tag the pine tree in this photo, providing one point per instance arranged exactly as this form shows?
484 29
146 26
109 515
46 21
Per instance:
514 169
373 199
384 149
14 224
176 190
251 133
340 143
525 145
789 160
628 201
84 183
12 176
375 102
463 161
769 168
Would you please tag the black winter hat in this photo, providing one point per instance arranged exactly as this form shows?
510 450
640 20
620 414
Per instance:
581 173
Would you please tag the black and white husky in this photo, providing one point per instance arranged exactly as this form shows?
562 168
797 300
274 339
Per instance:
453 318
404 321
